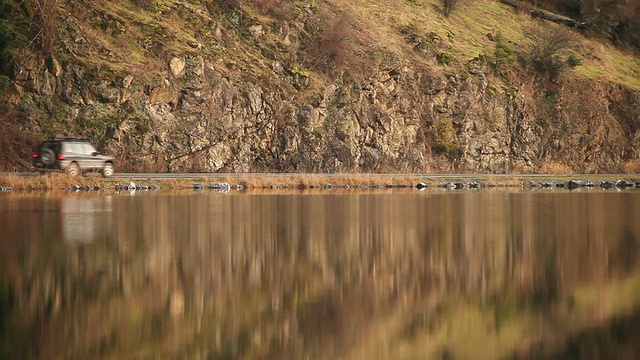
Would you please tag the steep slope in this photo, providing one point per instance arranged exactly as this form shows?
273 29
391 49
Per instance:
332 86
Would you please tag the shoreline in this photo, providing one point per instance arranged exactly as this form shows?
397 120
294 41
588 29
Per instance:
296 182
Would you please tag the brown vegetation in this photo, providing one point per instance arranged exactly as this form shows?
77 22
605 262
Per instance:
60 181
16 141
617 20
632 167
331 44
45 23
555 168
47 182
549 47
448 6
144 4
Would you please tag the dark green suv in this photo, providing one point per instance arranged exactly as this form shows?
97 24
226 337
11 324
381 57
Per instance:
73 156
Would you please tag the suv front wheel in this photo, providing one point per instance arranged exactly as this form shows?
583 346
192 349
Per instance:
73 170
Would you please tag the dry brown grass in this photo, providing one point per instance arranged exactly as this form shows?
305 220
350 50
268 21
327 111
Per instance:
310 181
45 22
552 167
249 181
632 167
48 182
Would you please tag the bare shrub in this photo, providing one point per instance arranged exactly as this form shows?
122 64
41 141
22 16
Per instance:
547 47
552 167
44 22
632 167
525 7
331 48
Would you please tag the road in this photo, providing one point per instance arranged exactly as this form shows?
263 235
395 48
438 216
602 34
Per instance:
160 176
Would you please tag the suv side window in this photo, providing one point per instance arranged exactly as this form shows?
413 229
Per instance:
67 148
88 149
73 148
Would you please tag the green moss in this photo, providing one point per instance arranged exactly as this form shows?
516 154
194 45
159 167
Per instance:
493 89
445 58
160 6
504 51
445 139
295 70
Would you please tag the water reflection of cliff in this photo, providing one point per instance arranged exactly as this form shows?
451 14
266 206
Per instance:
482 275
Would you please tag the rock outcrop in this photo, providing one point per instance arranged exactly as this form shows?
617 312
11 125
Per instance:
208 109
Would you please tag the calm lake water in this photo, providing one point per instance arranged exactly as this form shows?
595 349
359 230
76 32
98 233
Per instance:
489 274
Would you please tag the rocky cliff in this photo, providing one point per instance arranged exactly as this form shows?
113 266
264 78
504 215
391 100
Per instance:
331 86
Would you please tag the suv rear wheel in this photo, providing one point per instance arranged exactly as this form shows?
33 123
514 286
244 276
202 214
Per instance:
107 171
73 170
48 157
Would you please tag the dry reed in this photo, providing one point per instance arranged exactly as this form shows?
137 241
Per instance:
632 167
295 182
48 182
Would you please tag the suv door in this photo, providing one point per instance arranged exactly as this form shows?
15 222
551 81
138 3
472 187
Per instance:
93 162
74 152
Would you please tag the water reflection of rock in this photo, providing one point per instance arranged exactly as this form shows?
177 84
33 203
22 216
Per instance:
618 338
335 276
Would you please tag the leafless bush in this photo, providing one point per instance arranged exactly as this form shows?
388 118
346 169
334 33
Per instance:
525 7
632 167
548 45
44 22
552 167
331 48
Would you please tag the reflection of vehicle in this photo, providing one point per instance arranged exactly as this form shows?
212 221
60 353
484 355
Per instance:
73 156
85 219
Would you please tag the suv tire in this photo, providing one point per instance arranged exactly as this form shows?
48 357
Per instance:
48 157
73 170
107 171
